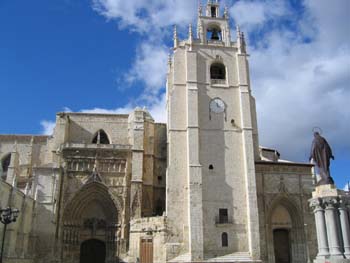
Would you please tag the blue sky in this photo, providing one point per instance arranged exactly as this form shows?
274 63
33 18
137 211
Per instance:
102 56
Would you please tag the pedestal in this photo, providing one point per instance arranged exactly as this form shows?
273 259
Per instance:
331 210
345 225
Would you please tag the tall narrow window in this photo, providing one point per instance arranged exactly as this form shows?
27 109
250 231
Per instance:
213 11
224 239
5 163
101 137
223 216
217 71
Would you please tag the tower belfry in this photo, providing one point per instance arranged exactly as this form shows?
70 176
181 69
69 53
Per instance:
213 8
213 143
212 26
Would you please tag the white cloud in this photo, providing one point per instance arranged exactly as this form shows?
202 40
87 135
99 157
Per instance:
330 20
123 110
152 19
157 108
146 16
150 67
255 13
66 109
47 127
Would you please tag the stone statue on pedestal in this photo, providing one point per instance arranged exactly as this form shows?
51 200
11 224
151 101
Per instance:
321 153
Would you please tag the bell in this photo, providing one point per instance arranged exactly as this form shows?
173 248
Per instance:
215 35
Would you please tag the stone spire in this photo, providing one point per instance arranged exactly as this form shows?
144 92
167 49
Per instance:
226 13
238 31
190 35
176 39
200 9
199 22
190 32
243 46
240 41
169 62
169 59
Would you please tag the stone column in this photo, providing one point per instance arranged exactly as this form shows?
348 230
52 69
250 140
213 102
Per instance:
345 227
331 213
323 249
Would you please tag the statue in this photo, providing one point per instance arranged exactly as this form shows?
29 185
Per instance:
321 153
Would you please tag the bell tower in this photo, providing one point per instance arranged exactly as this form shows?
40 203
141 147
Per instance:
213 143
212 26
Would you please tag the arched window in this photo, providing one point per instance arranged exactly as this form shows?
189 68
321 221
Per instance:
5 163
101 137
213 11
218 71
224 239
214 33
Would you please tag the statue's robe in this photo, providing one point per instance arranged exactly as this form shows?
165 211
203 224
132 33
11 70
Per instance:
321 153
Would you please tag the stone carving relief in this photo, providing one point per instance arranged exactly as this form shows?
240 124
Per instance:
282 187
85 164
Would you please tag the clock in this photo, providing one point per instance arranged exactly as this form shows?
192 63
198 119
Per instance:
217 106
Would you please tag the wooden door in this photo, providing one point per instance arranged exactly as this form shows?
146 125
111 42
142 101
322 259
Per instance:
93 251
282 246
146 251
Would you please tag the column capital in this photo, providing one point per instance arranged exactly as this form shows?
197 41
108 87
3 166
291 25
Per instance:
344 203
331 202
316 204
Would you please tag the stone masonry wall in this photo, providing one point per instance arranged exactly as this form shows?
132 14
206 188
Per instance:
19 242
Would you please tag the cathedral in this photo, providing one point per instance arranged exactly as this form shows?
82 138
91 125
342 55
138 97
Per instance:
109 188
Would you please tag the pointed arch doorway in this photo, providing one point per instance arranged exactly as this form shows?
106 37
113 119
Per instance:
281 245
93 251
90 225
285 233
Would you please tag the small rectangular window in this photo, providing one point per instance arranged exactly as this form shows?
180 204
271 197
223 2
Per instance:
224 239
223 216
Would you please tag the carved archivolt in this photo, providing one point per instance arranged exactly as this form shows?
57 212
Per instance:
289 204
93 192
93 213
292 213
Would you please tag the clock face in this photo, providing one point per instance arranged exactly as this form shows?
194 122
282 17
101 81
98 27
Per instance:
217 105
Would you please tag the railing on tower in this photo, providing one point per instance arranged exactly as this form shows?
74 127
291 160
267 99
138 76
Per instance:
223 220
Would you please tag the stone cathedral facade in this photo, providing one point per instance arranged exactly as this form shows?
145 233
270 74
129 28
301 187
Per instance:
122 188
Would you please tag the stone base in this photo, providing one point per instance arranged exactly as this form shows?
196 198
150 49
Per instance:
238 257
325 191
332 260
